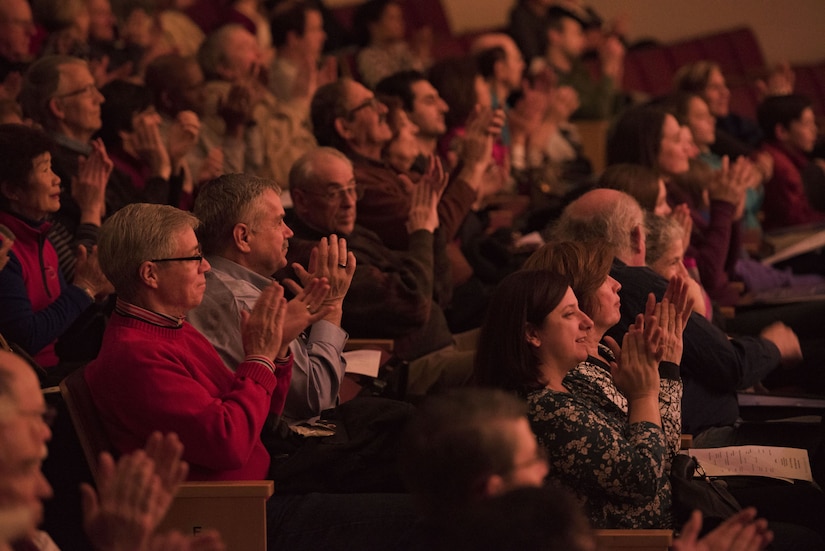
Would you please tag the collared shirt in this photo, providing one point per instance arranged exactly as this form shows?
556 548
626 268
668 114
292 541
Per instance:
155 318
83 148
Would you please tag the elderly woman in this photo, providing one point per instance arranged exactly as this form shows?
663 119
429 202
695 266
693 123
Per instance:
36 304
535 334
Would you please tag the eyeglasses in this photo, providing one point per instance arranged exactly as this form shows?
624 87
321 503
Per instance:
88 89
371 102
48 416
334 195
197 258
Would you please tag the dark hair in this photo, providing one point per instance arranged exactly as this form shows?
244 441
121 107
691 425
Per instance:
640 182
781 110
694 77
20 145
487 59
555 16
637 137
124 100
290 16
328 104
454 79
678 105
504 359
399 85
692 183
454 443
163 79
365 15
585 264
524 519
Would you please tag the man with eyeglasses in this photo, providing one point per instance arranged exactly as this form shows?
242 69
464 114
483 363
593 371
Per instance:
391 295
245 238
59 93
347 116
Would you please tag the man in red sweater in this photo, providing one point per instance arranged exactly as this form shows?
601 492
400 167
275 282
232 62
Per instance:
156 372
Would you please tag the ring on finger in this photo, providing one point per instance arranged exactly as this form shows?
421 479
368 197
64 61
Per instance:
342 265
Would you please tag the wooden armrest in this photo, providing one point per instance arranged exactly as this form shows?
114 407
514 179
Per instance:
218 489
639 540
687 442
388 345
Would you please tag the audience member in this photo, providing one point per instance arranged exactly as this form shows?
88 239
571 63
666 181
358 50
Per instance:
151 255
501 65
298 68
16 32
177 86
790 131
244 238
148 169
526 26
37 305
735 135
391 295
277 135
422 104
380 31
598 98
59 93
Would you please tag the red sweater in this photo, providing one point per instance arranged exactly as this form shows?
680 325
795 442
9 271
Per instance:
149 378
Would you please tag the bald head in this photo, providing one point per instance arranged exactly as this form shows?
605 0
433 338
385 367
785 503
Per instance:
606 215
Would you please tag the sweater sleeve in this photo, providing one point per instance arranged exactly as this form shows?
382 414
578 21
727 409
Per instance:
32 330
218 416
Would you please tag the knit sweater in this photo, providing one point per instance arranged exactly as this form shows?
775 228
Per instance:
150 378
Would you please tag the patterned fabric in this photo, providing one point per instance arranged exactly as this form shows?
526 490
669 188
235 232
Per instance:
591 379
619 470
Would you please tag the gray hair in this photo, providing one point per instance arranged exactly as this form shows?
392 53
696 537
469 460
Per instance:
302 175
212 53
612 223
662 231
40 85
225 201
134 234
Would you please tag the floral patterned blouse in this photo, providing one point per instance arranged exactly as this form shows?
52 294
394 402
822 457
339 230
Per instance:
592 378
620 470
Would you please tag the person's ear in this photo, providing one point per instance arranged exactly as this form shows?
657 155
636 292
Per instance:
531 335
10 192
494 486
148 273
240 236
342 128
782 134
56 109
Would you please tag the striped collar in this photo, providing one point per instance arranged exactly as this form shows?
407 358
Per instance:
155 318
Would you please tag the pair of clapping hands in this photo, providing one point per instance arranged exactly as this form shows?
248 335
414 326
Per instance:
134 495
656 336
274 322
